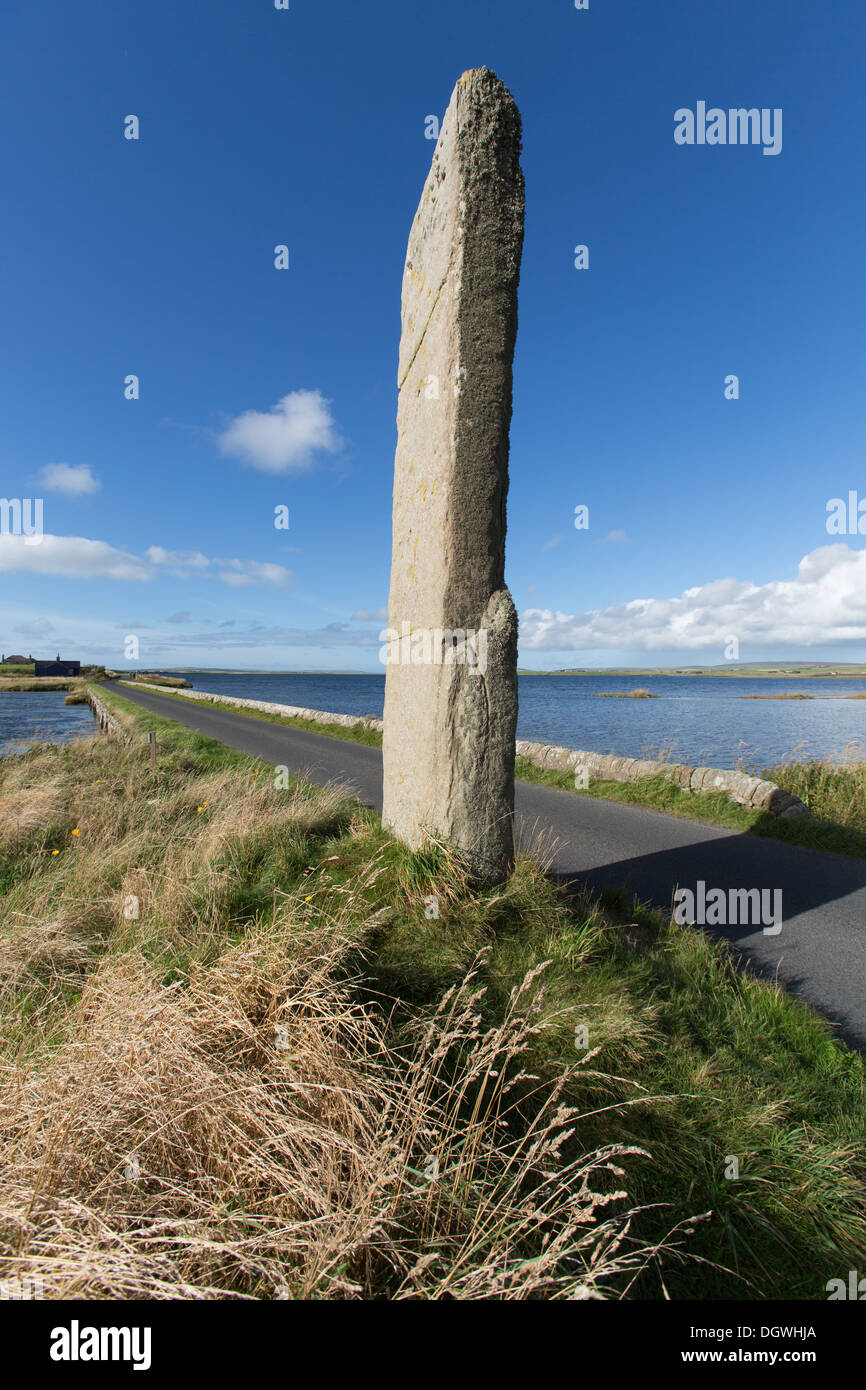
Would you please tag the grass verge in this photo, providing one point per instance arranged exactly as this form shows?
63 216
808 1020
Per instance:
836 795
253 1047
355 733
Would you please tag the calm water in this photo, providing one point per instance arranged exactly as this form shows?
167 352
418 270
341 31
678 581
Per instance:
699 720
40 714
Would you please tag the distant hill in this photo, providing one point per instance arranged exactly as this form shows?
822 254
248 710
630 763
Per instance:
753 670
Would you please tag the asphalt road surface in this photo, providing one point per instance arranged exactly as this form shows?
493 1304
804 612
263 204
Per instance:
819 954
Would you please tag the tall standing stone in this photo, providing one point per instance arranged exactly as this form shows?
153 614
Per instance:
450 700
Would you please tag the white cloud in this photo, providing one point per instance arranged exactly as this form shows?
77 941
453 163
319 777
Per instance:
74 481
72 556
363 616
78 558
335 635
285 437
187 559
244 573
266 573
551 544
824 604
613 538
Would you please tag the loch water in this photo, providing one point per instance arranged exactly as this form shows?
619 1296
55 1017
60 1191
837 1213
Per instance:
30 715
696 719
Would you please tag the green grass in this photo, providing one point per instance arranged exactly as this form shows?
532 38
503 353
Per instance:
836 797
786 696
626 695
688 1058
834 792
823 832
356 733
33 683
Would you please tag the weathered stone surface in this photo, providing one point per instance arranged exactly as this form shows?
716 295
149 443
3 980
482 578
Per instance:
105 719
761 794
560 759
738 786
448 745
680 774
525 748
779 802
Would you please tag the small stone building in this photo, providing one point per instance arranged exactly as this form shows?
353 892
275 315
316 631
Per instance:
57 668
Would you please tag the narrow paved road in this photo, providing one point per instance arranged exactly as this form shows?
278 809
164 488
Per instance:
820 953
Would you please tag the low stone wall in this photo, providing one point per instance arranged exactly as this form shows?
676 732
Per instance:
316 716
751 792
106 720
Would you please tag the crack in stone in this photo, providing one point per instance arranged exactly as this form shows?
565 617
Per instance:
436 298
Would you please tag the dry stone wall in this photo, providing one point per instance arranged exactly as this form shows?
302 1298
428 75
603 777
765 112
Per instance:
752 792
104 717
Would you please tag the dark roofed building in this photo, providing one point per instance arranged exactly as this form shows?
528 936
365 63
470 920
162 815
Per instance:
57 668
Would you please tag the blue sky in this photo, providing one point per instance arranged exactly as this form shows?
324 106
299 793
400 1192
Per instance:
306 127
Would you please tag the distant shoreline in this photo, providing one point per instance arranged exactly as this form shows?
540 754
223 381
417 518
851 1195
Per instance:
855 671
825 671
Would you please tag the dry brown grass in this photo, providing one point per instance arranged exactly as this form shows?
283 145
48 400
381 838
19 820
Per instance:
256 1133
197 1103
41 949
31 683
626 695
88 826
26 811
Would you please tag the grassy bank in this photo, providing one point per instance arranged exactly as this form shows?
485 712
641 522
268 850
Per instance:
40 683
836 795
834 827
26 681
626 695
356 733
156 678
253 1047
835 792
851 670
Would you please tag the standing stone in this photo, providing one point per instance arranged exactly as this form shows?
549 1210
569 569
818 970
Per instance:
451 675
